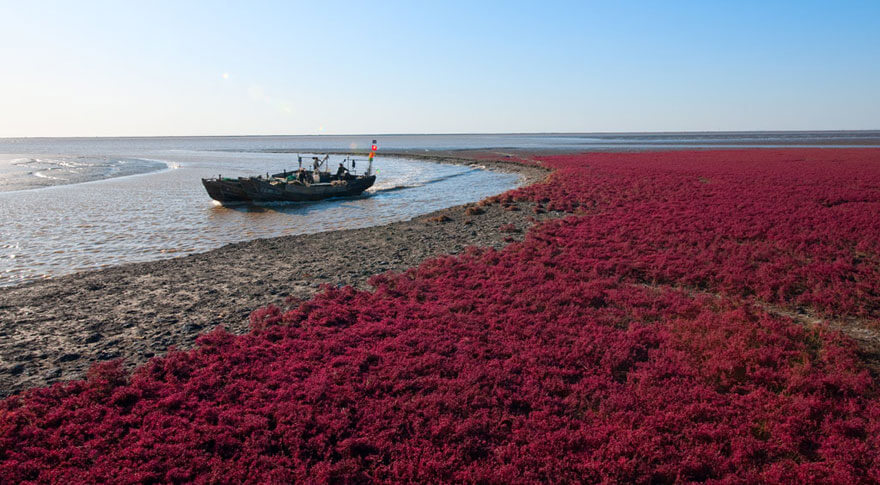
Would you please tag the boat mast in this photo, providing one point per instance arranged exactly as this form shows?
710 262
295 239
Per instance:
372 152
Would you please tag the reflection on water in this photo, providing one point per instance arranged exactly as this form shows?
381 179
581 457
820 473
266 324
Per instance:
62 229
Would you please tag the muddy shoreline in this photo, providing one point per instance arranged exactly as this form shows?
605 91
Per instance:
54 330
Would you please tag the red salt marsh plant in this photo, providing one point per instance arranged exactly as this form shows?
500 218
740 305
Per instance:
794 227
508 228
625 343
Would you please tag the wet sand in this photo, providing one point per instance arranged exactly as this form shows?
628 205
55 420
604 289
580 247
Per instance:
53 330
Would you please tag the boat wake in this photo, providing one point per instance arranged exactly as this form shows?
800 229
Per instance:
404 186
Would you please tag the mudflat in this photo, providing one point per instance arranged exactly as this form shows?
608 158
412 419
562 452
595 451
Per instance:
55 329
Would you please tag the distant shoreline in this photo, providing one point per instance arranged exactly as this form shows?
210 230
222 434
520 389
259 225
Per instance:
875 131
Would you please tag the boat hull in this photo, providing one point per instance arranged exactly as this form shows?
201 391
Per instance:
225 190
257 189
263 190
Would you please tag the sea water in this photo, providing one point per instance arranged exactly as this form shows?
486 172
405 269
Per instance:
72 204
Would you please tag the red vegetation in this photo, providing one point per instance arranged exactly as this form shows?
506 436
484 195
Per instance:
594 350
508 228
440 218
474 210
796 227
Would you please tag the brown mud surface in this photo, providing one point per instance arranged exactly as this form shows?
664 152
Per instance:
53 330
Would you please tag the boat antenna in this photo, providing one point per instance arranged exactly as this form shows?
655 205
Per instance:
299 159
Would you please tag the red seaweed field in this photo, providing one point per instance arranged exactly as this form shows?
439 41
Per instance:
652 334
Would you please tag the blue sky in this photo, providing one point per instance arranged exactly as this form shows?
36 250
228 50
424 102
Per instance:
122 68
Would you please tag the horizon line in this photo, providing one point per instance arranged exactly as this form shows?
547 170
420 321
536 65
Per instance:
665 132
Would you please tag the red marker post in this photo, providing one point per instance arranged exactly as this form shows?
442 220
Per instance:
373 149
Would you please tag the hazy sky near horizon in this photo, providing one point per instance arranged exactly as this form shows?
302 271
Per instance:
125 68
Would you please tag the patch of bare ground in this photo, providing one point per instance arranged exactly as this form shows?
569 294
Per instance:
863 332
860 330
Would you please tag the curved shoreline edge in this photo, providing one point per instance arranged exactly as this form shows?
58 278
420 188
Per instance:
167 165
54 330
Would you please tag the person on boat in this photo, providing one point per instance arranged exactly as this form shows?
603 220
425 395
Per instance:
301 175
342 172
318 161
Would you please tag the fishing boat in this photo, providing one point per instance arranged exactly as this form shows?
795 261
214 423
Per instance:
294 186
288 188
